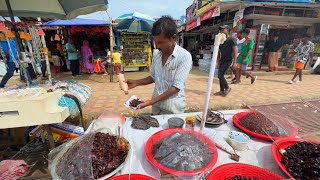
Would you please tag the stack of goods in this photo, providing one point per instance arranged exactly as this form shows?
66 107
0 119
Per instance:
258 123
182 151
136 49
93 156
205 63
81 91
144 122
302 160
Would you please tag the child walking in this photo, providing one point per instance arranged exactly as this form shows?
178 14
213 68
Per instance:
56 59
304 53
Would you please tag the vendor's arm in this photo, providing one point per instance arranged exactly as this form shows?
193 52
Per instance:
168 93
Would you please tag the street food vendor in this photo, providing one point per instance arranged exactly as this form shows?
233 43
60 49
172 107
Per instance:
169 70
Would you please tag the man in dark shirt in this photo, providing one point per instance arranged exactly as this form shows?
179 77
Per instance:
227 56
273 47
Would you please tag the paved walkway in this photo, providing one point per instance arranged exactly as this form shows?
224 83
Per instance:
270 88
107 97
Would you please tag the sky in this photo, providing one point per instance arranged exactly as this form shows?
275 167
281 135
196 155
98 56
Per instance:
154 8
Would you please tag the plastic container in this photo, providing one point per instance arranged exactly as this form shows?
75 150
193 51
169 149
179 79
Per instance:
132 177
167 132
123 85
292 130
238 169
175 122
190 122
284 143
237 143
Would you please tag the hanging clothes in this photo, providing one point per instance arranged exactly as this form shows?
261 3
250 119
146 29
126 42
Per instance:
87 57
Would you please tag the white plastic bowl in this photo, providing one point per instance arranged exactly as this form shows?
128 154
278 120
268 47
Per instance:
237 145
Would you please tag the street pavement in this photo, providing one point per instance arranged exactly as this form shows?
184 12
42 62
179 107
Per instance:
270 88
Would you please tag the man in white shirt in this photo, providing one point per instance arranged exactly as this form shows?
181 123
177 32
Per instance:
171 65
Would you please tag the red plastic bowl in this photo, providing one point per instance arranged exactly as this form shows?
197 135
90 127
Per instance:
238 116
164 133
238 169
132 177
284 143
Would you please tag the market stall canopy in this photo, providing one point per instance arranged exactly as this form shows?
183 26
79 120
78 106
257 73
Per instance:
137 16
77 22
134 22
53 8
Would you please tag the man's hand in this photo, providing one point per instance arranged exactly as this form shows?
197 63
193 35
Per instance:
131 83
244 62
145 104
234 66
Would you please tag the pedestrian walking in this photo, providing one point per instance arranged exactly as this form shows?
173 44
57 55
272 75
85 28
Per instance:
245 58
73 58
240 40
273 47
56 57
8 52
227 56
116 57
304 53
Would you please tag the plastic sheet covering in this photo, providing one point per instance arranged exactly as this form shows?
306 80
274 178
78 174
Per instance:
23 93
71 104
79 90
85 157
182 153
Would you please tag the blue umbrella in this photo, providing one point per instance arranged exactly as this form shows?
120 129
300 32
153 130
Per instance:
134 22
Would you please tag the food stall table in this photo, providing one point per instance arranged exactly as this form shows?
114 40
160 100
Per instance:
258 153
42 109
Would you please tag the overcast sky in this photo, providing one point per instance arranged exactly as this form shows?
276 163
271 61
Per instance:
154 8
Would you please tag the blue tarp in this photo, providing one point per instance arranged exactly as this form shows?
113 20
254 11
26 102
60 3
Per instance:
76 22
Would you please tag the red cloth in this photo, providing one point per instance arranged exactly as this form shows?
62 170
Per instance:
12 169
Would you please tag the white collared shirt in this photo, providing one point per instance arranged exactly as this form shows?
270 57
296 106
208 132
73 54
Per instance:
173 74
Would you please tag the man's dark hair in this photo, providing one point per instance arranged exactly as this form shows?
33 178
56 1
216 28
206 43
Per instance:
115 48
166 26
246 31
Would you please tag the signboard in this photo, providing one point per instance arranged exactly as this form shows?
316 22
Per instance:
181 28
206 7
191 11
238 21
193 24
214 12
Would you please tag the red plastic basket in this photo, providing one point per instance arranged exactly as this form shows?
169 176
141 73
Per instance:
293 131
164 133
132 177
284 143
238 169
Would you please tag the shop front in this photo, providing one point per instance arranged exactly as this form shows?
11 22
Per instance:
96 32
289 24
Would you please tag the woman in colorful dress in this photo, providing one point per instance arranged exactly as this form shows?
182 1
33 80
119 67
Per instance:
87 57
